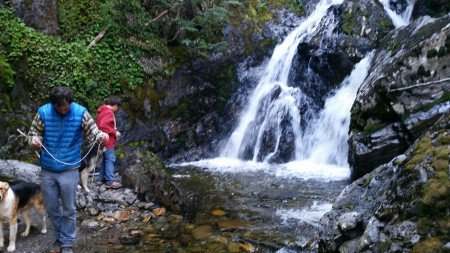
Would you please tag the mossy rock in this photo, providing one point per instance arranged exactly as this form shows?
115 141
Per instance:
414 161
436 193
440 164
431 245
147 175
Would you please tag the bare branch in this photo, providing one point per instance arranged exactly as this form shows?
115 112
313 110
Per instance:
98 38
162 14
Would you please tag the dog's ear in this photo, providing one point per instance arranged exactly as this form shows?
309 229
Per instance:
3 189
4 185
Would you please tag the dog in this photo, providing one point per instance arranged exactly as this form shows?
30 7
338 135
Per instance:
89 163
15 199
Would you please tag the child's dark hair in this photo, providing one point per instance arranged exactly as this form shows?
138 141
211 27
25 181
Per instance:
114 100
60 94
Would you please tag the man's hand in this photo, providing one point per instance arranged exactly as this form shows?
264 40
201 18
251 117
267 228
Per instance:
103 137
118 134
36 142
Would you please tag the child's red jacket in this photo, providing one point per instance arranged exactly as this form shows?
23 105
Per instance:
107 123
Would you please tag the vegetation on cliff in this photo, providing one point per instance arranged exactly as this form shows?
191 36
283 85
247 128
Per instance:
109 47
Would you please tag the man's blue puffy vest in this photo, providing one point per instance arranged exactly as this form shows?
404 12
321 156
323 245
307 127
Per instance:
62 137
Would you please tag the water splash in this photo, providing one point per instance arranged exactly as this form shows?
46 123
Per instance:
326 138
400 16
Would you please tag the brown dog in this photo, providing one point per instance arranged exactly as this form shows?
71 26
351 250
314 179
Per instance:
89 163
19 198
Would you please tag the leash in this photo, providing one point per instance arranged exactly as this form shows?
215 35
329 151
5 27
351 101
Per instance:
62 162
56 159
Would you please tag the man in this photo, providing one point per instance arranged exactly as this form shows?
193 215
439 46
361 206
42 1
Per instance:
106 122
57 128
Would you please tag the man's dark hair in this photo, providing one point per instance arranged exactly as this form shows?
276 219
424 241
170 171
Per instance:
114 100
60 94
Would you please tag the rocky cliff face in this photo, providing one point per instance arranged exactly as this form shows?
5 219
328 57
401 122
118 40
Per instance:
39 14
401 206
399 148
406 92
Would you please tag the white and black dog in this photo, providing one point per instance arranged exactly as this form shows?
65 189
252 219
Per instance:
89 163
15 199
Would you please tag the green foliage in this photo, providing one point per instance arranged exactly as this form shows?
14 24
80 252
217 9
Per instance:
431 53
6 73
348 23
442 51
421 71
77 18
91 73
370 128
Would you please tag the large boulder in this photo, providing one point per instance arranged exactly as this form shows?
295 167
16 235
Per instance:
145 173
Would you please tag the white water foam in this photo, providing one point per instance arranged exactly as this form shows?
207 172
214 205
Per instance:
306 170
310 215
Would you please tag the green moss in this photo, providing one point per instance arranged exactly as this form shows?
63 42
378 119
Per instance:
444 139
183 109
440 164
435 193
444 98
370 128
424 225
424 145
367 180
442 153
6 73
430 245
348 23
5 103
385 24
414 161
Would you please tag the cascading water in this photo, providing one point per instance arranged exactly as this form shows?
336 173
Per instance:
273 104
400 15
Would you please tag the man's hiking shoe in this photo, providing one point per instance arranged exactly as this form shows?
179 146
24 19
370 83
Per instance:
55 247
113 185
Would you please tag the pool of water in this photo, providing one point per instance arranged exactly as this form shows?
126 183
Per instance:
281 205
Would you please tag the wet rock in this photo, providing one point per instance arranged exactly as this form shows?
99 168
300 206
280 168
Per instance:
349 221
370 235
202 232
349 246
90 224
232 225
377 148
130 240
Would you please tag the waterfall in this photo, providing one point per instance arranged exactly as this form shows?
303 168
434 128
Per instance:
400 15
277 113
273 103
326 141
